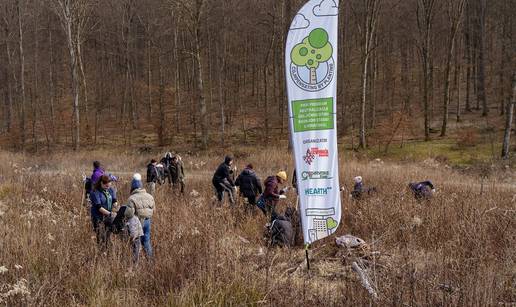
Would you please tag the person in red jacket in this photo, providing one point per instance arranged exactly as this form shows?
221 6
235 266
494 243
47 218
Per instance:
272 194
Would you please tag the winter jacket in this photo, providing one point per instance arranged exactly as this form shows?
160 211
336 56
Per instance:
271 192
152 173
166 161
249 183
102 199
134 226
222 174
95 176
176 171
142 202
281 230
422 190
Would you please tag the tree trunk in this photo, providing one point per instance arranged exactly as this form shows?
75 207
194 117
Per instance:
200 91
51 86
481 90
362 141
457 83
149 79
161 128
177 100
467 54
508 120
9 74
22 74
455 16
313 75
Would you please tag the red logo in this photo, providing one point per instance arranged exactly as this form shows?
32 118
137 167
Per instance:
313 153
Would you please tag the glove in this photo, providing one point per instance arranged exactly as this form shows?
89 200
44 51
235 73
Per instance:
282 197
433 190
285 190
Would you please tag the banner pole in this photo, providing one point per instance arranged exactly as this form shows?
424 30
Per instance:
307 258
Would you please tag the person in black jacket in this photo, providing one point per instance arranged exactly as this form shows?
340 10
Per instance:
152 176
249 183
166 161
223 181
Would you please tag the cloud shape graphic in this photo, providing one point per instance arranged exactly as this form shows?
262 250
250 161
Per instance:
326 8
300 22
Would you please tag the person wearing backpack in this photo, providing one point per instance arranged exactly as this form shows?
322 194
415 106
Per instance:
249 184
143 205
222 180
103 201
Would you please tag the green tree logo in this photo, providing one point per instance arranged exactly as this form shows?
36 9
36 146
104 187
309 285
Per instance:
313 51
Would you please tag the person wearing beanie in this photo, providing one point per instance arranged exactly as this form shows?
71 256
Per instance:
143 205
272 194
136 183
222 180
359 189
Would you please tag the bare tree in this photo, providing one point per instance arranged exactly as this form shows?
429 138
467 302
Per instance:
67 11
367 28
481 37
22 71
425 12
454 10
508 120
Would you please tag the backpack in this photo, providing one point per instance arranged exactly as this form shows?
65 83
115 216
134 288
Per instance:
261 203
118 225
88 185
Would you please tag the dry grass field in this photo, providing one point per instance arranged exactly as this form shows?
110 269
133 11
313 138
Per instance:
457 250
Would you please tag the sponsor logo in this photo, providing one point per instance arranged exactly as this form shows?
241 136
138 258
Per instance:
315 141
317 191
315 175
313 153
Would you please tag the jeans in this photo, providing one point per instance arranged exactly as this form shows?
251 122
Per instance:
146 238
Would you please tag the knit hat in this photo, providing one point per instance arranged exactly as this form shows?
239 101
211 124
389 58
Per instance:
282 175
136 183
358 179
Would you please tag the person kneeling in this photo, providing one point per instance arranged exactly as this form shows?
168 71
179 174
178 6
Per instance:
423 190
281 230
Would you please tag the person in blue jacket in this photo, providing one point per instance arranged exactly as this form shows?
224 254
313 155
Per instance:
103 201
